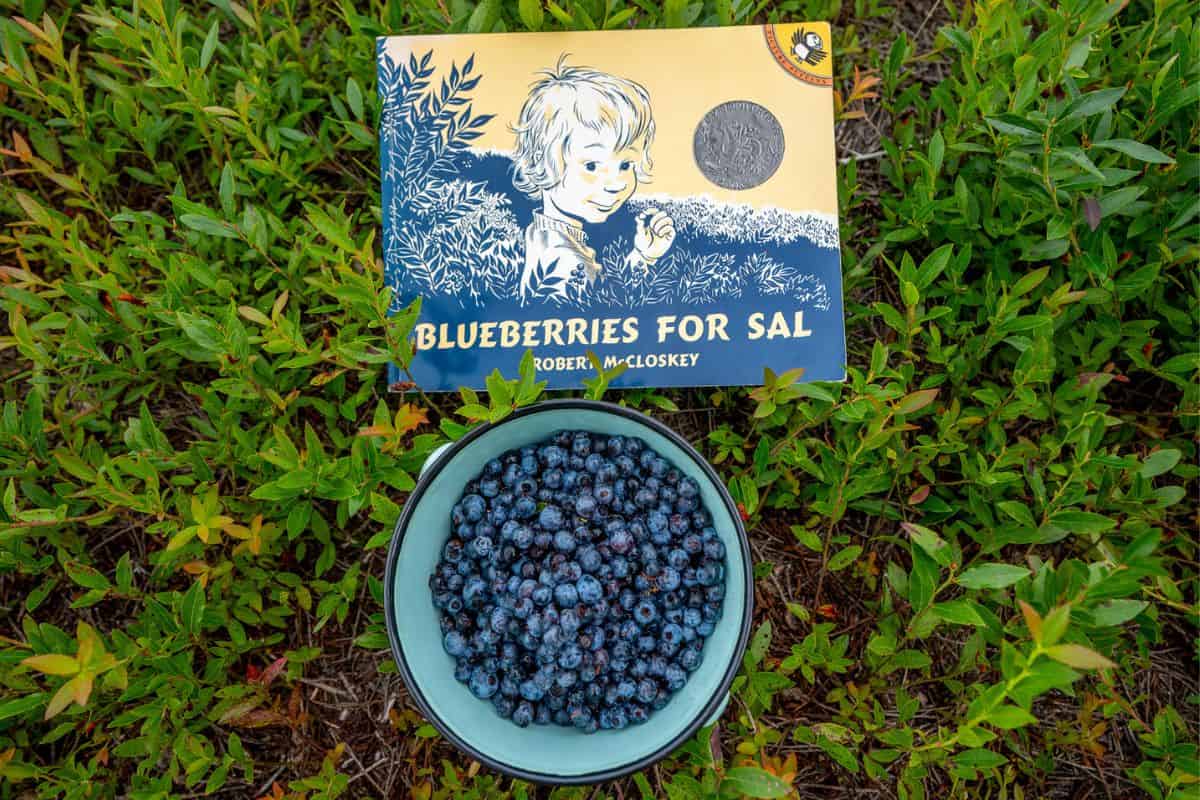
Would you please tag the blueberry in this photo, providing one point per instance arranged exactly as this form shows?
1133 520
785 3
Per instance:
570 657
646 690
619 567
585 506
499 619
714 550
621 542
645 612
483 684
581 444
550 518
646 643
522 715
715 593
542 596
493 468
564 542
503 705
589 559
565 595
524 508
473 592
709 574
463 669
706 628
626 689
588 589
480 547
711 612
455 644
473 507
657 523
593 463
668 579
529 464
670 637
553 456
691 617
646 498
531 691
675 677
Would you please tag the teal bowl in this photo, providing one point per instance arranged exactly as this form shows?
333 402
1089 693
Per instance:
551 754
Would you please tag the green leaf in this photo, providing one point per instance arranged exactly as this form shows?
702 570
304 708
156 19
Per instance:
1094 102
1078 656
930 542
209 225
991 576
1082 521
354 97
21 705
979 758
843 558
1009 717
191 608
1159 462
1054 625
959 612
760 643
915 401
532 14
1142 152
754 782
1117 612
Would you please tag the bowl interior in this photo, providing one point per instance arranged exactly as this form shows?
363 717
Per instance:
548 749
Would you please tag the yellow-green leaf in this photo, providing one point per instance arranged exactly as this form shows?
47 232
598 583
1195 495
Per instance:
53 664
1078 656
60 700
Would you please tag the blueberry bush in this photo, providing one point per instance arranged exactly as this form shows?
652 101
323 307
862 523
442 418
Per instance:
975 560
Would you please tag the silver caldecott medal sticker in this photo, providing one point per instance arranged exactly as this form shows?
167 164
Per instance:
738 145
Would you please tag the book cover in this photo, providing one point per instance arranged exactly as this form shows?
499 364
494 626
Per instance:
663 198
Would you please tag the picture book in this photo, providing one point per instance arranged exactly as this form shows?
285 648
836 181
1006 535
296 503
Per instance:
662 198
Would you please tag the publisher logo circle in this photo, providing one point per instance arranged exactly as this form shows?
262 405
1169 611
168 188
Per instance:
738 145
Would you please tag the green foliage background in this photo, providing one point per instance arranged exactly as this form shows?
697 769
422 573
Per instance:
977 557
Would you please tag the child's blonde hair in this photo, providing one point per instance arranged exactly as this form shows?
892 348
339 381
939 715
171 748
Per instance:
574 97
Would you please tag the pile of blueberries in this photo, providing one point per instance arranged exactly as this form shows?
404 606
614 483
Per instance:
580 580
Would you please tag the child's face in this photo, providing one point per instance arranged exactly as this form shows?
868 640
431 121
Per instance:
597 178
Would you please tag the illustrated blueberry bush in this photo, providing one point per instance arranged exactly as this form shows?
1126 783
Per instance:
974 559
580 580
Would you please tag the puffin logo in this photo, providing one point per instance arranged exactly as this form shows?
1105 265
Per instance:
802 50
807 47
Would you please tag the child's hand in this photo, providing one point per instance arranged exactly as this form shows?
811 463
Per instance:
655 234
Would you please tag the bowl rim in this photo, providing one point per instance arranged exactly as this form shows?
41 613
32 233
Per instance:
701 716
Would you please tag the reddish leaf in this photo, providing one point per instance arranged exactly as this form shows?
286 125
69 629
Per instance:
272 672
1091 212
918 497
408 417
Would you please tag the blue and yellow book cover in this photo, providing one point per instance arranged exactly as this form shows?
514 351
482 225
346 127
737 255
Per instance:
663 198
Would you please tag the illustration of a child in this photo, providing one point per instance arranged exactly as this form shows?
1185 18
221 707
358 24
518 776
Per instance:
583 144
